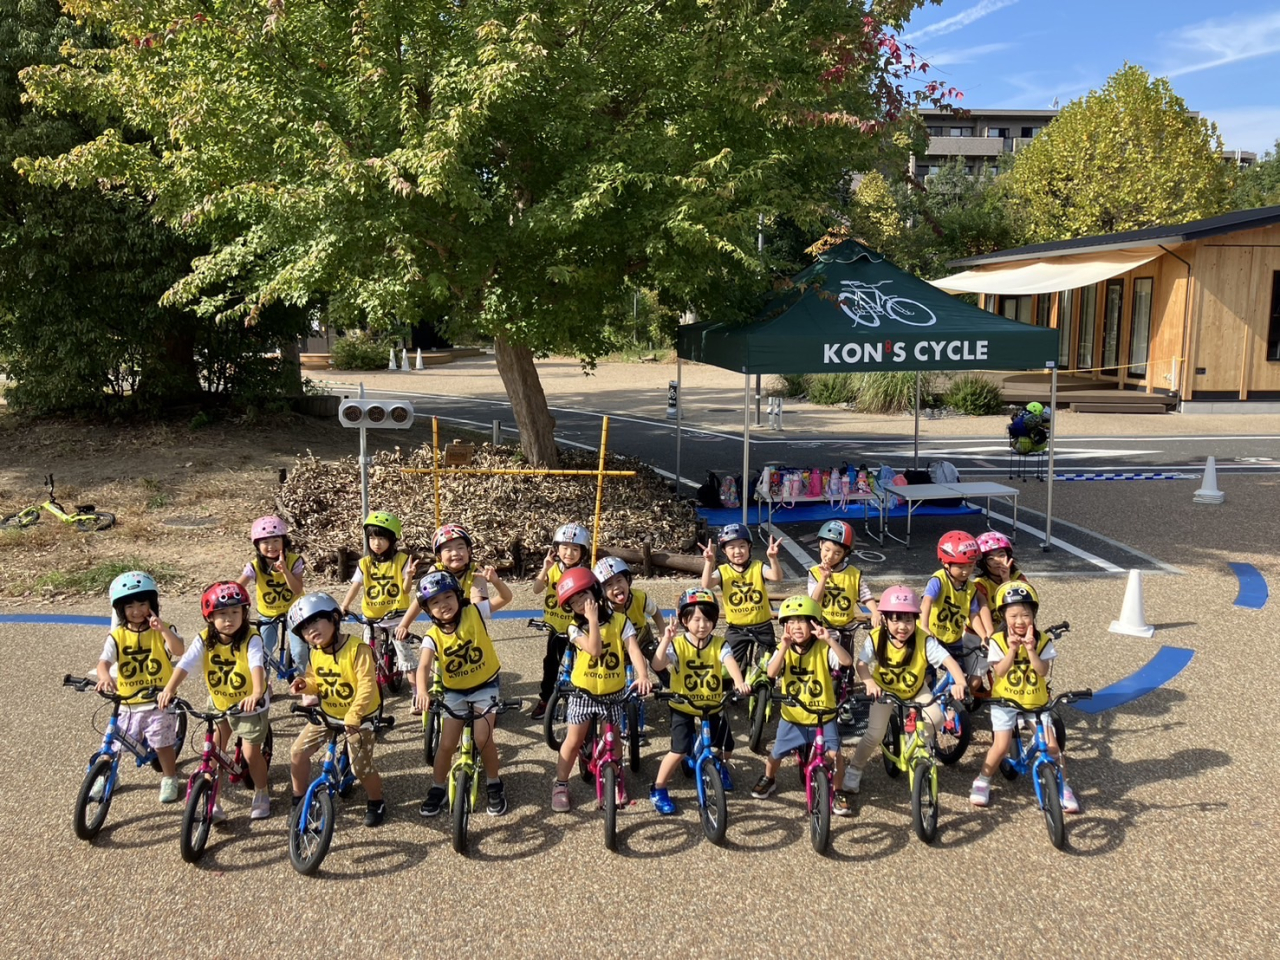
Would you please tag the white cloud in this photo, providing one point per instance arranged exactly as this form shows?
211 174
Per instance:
955 55
1217 43
959 21
1246 128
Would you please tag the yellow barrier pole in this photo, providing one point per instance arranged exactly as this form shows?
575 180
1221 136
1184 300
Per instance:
435 463
595 532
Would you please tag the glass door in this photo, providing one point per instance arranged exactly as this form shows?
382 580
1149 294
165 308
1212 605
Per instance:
1066 302
1112 311
1140 327
1088 326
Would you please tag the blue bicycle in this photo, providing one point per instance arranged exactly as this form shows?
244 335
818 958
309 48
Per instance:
312 822
1034 757
708 765
99 784
555 721
279 659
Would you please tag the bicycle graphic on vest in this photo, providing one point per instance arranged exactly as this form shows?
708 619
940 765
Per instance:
462 654
136 661
744 595
866 304
610 660
812 688
220 675
699 674
382 588
332 686
835 597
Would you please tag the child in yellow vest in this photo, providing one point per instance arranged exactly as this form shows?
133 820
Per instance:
342 674
996 567
896 658
1020 657
805 659
697 657
453 549
383 581
276 574
228 651
838 585
604 641
745 599
951 602
568 551
458 644
141 649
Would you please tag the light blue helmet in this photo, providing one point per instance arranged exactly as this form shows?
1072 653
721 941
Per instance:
135 585
308 608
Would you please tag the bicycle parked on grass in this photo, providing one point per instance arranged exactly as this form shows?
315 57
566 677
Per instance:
378 636
203 786
464 784
708 766
99 785
311 825
1033 756
86 517
818 774
907 748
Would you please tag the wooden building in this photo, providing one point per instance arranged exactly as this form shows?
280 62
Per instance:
1190 311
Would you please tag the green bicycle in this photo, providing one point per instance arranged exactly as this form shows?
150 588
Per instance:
907 748
464 784
87 518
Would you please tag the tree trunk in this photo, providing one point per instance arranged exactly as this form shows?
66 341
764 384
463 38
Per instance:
291 366
528 402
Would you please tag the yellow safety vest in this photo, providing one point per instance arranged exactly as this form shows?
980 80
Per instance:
465 581
556 618
635 610
272 589
1021 683
987 590
336 678
384 592
142 661
746 601
606 673
695 673
896 673
466 656
807 677
227 673
839 595
950 612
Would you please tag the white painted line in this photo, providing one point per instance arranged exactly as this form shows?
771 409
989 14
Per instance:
1167 568
793 548
1070 548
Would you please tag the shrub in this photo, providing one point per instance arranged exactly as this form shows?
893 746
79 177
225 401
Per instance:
974 395
360 351
889 392
832 389
794 385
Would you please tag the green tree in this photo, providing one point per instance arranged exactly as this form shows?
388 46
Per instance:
1124 157
525 165
1259 185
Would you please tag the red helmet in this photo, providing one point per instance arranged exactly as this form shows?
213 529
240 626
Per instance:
574 582
222 596
956 546
450 531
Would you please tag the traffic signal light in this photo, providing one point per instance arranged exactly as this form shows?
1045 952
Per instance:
379 414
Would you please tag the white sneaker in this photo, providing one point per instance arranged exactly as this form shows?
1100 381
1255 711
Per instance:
219 815
980 793
1069 802
260 809
169 789
96 791
852 780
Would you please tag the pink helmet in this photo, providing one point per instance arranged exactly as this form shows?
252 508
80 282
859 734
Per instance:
994 541
265 527
900 599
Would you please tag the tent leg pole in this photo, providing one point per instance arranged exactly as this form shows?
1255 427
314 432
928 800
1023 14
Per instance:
915 463
679 422
1053 413
746 443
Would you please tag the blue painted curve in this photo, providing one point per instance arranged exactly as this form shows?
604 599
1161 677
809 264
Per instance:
1159 670
56 619
1253 587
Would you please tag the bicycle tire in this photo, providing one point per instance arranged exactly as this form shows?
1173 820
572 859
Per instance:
892 744
955 735
924 802
87 823
22 519
610 801
1050 790
555 720
311 832
197 819
820 813
1007 769
461 809
268 744
430 735
759 719
95 522
633 734
179 738
715 812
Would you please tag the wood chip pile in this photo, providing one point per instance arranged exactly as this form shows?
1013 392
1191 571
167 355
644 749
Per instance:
511 518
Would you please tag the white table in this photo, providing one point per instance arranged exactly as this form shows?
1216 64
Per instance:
915 494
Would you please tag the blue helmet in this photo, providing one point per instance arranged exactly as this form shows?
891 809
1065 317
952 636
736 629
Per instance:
307 608
433 585
135 585
734 531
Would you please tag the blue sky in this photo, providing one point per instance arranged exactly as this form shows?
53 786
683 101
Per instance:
1222 59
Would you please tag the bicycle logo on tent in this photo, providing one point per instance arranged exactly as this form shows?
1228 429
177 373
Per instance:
867 304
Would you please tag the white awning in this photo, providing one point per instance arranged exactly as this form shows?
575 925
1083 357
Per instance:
1049 275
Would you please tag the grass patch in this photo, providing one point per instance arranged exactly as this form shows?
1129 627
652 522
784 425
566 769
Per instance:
96 579
158 501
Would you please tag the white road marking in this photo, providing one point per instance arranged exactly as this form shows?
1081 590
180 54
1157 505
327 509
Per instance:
793 548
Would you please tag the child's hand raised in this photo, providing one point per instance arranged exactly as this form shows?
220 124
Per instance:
414 564
155 623
489 574
823 634
772 550
278 566
298 686
549 560
591 609
669 634
708 551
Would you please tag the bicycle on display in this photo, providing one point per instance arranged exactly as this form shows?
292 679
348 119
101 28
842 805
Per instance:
464 782
1031 755
311 825
602 759
378 634
279 660
983 696
818 775
85 517
708 766
202 788
907 748
99 785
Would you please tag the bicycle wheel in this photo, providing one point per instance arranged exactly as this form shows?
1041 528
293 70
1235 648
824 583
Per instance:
197 818
1007 769
395 676
91 813
956 732
311 832
348 785
820 813
633 734
461 809
715 812
430 735
555 721
268 744
1047 774
23 518
759 718
179 738
893 746
924 802
98 520
610 776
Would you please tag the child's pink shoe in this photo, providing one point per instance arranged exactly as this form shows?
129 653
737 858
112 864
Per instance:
980 793
1069 802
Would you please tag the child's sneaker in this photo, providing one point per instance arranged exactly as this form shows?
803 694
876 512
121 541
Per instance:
852 782
98 789
662 801
1069 802
375 812
169 789
765 787
260 809
219 815
539 710
726 778
842 806
434 803
980 793
560 798
496 804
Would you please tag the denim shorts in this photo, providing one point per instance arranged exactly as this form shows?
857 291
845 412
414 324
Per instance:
792 737
480 697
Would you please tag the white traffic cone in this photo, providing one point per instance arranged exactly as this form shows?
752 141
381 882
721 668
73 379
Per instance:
391 364
1133 621
418 364
1209 492
404 359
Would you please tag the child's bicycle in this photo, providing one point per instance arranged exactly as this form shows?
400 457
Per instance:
555 721
633 725
464 784
954 735
906 748
818 775
390 674
1033 756
280 659
86 517
708 766
312 822
202 788
431 717
603 760
99 784
760 700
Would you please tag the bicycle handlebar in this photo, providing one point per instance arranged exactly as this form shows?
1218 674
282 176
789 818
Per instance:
265 621
1071 696
887 696
785 700
179 704
81 684
321 719
497 706
1058 629
629 694
538 624
670 696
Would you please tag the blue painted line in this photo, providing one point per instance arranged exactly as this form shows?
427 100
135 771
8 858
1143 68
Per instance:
57 620
1163 667
1124 476
1253 588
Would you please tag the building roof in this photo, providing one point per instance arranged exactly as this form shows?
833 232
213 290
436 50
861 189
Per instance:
1148 237
978 112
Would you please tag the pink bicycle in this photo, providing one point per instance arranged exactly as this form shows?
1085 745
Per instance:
603 756
818 776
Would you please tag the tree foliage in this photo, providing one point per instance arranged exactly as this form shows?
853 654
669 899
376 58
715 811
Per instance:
1259 185
527 166
1124 157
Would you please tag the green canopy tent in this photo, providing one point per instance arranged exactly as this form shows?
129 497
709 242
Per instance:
853 311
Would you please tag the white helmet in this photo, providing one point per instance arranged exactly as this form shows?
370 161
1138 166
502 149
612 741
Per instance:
609 567
574 533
